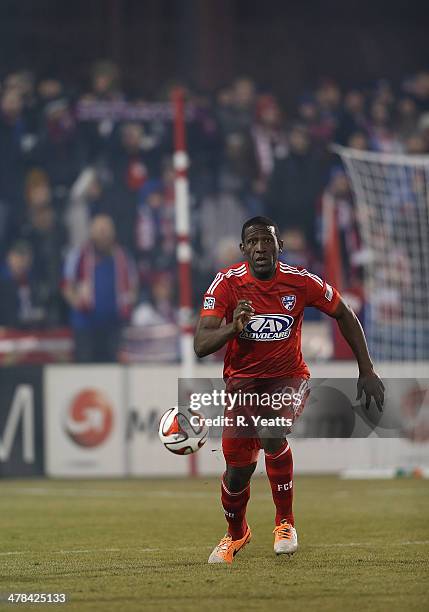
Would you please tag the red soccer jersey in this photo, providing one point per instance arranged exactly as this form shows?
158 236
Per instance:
270 344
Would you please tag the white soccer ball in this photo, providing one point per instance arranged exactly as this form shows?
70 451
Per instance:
182 431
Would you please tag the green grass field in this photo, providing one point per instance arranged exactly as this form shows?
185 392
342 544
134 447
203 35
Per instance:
143 545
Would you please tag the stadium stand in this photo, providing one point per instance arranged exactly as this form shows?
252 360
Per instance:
62 164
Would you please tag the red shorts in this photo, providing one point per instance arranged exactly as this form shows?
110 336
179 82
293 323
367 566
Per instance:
241 443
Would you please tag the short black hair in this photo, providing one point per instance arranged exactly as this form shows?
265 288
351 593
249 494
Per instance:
259 221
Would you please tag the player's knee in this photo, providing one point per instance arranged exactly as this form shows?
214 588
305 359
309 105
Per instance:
272 445
237 478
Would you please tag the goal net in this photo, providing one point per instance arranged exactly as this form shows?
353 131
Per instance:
392 204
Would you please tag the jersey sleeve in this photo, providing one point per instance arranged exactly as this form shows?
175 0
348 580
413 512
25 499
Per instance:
321 295
216 298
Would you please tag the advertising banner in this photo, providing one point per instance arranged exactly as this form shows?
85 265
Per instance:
21 427
103 421
85 417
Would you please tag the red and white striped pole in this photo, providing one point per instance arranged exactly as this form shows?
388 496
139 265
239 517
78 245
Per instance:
184 251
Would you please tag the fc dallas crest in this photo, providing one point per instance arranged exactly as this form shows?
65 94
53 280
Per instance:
289 301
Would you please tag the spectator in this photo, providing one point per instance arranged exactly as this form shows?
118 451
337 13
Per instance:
105 81
358 140
407 117
48 90
159 306
295 184
393 278
415 144
420 90
309 116
227 253
12 151
353 118
8 228
337 203
382 136
37 190
131 165
23 83
105 87
38 194
17 307
297 251
100 286
155 233
423 126
238 176
383 93
223 107
269 136
214 209
239 166
60 150
45 235
328 96
244 94
237 106
204 143
308 111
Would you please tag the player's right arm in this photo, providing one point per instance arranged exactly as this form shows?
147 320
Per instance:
210 336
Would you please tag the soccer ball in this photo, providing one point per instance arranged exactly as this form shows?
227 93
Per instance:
182 432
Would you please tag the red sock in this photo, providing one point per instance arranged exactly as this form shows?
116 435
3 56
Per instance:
234 505
279 467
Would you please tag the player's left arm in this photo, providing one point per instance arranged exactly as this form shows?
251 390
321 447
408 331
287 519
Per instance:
327 299
353 333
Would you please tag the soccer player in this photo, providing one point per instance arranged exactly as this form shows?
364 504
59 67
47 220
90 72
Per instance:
262 301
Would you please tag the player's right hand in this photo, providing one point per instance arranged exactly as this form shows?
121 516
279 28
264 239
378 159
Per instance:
242 315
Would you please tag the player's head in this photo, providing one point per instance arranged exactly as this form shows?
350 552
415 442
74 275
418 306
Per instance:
261 244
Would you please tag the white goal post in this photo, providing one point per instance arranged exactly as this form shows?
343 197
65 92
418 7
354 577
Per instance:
392 204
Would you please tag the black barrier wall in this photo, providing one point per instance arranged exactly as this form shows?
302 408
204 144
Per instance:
21 421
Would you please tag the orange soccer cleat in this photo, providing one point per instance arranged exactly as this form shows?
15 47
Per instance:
285 539
227 548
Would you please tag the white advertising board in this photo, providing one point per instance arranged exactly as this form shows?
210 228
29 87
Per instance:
151 391
84 421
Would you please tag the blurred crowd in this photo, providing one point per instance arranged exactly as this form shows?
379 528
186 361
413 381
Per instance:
87 205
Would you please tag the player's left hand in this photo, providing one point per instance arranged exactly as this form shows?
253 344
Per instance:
373 387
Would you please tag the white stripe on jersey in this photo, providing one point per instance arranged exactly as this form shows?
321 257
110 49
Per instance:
233 271
230 273
286 269
303 273
218 275
240 271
